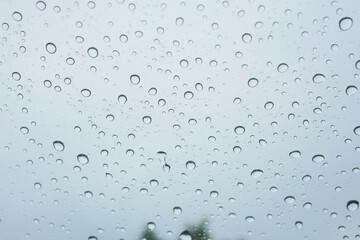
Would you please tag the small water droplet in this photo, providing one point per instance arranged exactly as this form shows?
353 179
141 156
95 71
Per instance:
250 219
147 119
295 154
269 105
190 165
253 82
151 226
177 210
122 99
289 199
17 16
357 130
299 224
188 95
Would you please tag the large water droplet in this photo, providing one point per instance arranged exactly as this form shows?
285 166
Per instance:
17 16
295 154
190 165
299 224
188 95
185 235
318 158
147 119
83 159
250 219
289 199
151 226
51 48
357 130
86 92
92 52
239 130
352 205
351 90
345 23
177 210
122 99
253 82
59 146
257 173
135 79
269 105
318 78
283 67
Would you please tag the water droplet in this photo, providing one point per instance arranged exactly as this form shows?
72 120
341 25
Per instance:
345 23
16 76
190 165
177 210
357 65
185 235
154 183
50 48
86 92
357 130
188 95
83 159
122 99
299 224
352 205
24 130
184 63
135 79
295 154
253 82
59 146
318 78
214 194
269 105
92 238
250 219
239 130
246 37
147 119
151 226
289 199
257 173
37 185
17 16
351 90
40 5
179 21
123 38
283 67
88 194
92 52
318 158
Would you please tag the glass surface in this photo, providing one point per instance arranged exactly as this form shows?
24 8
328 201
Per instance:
179 120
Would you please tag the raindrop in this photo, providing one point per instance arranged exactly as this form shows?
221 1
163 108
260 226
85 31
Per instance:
188 95
318 78
123 38
253 82
177 210
351 90
357 130
86 92
51 48
151 226
92 238
214 194
185 235
190 165
184 63
299 224
37 185
318 158
122 99
17 16
135 79
345 23
295 154
24 130
16 76
88 194
40 5
92 52
269 105
283 67
352 205
239 130
250 219
83 159
289 199
257 173
246 37
147 120
59 146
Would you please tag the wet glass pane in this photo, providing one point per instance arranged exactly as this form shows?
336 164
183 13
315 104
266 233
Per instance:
189 120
